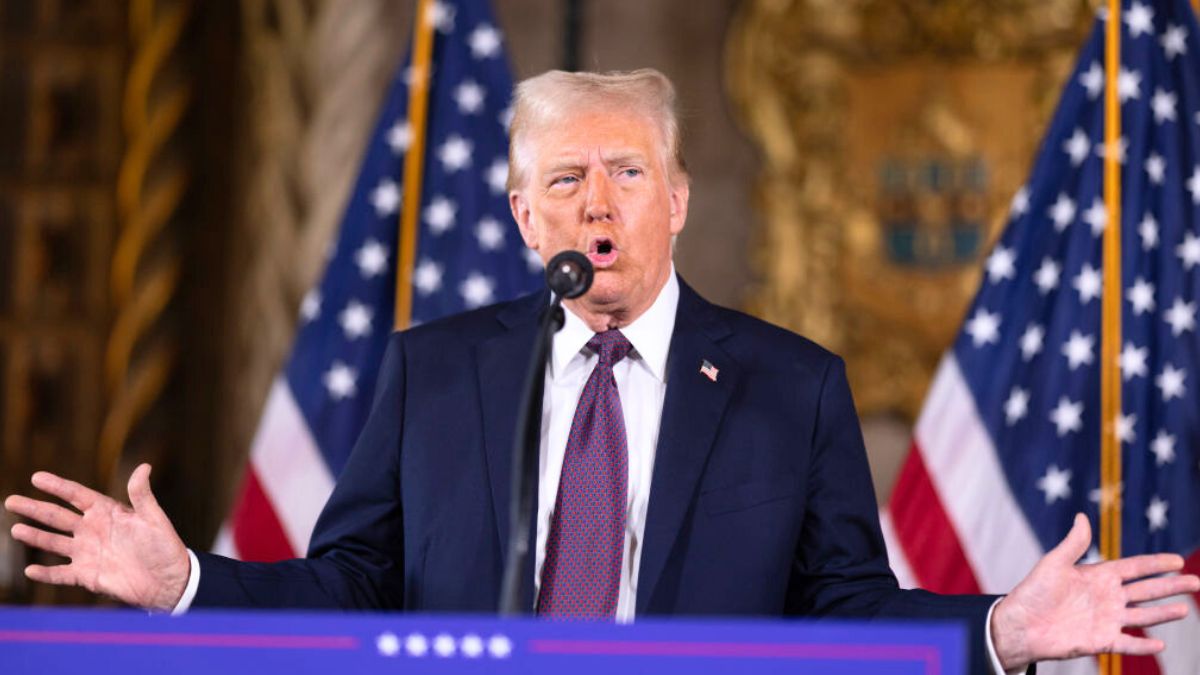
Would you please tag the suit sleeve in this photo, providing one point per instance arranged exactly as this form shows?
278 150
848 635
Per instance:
840 567
356 557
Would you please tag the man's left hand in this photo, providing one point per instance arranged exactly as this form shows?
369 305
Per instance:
1062 610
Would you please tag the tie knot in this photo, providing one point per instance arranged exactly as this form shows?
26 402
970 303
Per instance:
611 346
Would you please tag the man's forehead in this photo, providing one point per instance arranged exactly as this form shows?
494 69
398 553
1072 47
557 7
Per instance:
607 131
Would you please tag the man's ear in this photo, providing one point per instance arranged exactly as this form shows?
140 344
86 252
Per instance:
679 205
522 214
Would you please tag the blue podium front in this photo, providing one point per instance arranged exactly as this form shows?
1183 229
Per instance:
124 642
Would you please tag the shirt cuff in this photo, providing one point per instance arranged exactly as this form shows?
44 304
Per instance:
193 582
997 668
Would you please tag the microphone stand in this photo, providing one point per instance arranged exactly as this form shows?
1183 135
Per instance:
525 461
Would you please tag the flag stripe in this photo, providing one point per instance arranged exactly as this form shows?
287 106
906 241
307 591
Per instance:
224 544
257 532
896 556
925 533
961 462
1085 666
1191 565
290 466
1183 647
1139 665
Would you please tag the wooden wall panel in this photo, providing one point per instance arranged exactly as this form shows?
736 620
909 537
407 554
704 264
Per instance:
60 78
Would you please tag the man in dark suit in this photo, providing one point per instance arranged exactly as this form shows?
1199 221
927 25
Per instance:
694 460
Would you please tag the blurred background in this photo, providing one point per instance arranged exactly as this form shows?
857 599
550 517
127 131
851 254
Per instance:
172 174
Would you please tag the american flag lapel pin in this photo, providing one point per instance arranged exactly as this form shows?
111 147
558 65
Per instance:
709 370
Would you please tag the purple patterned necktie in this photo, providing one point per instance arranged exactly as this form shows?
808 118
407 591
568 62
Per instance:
581 576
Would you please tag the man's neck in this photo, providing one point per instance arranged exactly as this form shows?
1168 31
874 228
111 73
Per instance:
600 319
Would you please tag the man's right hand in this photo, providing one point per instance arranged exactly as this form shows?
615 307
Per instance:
131 554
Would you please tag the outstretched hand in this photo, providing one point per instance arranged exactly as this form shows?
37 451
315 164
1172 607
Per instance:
1062 610
131 554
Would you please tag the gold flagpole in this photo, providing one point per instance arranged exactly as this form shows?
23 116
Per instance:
1110 375
418 109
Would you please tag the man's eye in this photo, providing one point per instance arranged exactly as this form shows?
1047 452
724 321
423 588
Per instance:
632 172
565 180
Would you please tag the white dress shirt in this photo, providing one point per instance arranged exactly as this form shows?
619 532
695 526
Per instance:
642 385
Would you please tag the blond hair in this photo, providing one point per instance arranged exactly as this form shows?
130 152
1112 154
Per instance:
548 98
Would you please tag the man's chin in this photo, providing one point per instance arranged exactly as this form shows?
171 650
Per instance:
605 294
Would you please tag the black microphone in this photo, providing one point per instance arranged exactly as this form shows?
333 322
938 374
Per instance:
569 274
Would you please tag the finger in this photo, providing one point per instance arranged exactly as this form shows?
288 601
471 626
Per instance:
1140 566
1161 587
1075 544
1137 646
47 541
54 574
1141 617
69 491
50 515
140 494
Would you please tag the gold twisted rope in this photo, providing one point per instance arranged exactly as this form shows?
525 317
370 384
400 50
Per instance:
149 191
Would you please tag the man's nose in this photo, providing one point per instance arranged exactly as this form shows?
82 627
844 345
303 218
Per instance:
599 204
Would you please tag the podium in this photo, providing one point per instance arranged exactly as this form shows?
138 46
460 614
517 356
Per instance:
125 642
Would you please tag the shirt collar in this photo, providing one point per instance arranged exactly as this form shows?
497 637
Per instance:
650 334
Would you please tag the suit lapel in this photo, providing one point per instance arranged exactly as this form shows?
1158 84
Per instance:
692 414
503 362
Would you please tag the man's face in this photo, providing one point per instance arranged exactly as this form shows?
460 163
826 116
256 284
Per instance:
598 183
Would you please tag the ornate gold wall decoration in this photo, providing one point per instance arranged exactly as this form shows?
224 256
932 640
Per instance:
894 134
142 352
61 69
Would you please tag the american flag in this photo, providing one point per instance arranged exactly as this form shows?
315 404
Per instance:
469 254
1007 447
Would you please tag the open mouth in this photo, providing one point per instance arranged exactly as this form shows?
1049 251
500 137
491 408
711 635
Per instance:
602 252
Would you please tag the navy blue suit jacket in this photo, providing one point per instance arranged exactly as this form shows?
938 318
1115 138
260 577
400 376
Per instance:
761 501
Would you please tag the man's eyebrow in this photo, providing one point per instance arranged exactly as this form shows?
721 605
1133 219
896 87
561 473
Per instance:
563 165
625 158
617 158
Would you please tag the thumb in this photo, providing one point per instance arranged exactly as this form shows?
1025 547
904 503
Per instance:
139 492
1075 544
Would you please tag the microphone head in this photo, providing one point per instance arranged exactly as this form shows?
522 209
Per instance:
569 274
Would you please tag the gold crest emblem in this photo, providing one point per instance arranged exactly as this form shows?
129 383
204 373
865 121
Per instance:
894 136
